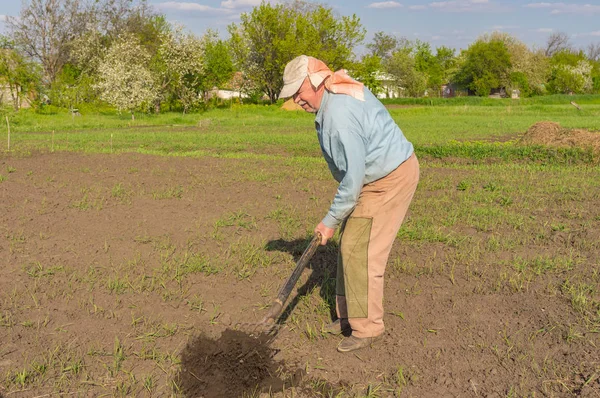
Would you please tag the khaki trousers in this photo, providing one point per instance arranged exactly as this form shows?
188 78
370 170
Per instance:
366 240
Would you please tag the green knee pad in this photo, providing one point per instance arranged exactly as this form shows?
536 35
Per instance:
352 271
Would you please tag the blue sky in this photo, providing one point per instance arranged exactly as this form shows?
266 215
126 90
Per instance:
452 23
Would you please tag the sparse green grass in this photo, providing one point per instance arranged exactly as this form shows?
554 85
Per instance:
195 262
89 201
121 193
169 193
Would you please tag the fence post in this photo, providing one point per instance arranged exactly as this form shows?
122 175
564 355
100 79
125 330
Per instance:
8 125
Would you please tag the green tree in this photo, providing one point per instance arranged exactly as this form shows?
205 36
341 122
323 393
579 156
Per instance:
486 67
595 76
402 67
21 75
383 45
329 38
519 82
71 88
218 64
447 61
428 65
529 69
367 71
272 35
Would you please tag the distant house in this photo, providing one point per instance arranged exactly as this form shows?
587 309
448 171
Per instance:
498 93
389 87
235 88
448 90
9 94
5 96
7 99
225 94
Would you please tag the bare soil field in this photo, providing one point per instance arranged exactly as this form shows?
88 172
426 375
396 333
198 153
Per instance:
126 275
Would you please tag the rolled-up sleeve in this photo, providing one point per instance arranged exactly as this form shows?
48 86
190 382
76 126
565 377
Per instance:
348 153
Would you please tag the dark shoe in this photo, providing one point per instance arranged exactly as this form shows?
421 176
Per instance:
337 327
355 343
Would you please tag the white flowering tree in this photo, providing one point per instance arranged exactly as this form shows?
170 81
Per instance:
181 66
125 81
572 79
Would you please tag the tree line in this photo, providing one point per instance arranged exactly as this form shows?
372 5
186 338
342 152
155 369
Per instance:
126 54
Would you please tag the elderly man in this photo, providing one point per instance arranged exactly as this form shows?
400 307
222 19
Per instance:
377 172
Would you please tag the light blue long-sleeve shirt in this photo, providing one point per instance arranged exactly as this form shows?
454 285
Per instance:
361 143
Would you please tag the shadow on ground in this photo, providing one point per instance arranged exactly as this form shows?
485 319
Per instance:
322 269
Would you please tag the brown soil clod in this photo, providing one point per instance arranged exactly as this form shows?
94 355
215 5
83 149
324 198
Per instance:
552 134
236 364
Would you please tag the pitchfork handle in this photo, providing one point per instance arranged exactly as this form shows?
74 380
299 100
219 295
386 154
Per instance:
286 289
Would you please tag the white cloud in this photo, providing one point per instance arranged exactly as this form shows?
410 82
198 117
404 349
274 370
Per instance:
589 34
385 4
227 6
564 8
504 27
544 30
232 4
234 17
183 6
461 5
417 7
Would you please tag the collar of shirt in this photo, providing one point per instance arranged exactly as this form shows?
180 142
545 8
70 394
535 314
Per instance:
319 115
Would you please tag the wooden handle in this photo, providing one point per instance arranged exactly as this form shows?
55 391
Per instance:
286 289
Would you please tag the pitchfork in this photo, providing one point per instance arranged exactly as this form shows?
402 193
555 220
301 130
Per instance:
267 324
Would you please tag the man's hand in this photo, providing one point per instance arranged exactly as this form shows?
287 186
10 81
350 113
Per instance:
325 231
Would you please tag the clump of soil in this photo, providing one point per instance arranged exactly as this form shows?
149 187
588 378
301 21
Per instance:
552 134
290 105
235 364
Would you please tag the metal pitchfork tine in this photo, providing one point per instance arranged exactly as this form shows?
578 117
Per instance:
268 324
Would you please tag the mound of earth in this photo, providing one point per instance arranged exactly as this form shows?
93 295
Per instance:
234 365
290 105
552 134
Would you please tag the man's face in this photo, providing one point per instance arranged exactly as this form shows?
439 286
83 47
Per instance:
307 97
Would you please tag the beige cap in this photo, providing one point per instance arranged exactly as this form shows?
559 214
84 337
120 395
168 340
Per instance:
299 69
293 76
